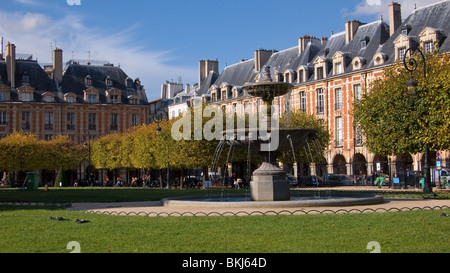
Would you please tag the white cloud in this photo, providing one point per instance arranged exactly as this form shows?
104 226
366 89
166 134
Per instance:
36 34
27 2
380 7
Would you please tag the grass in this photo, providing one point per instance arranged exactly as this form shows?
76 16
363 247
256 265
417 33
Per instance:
29 230
100 194
107 194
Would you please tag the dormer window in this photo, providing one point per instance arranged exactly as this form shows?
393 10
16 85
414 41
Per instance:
235 92
379 58
339 62
302 74
405 31
91 95
320 68
429 46
26 93
113 95
133 99
70 98
401 43
279 77
364 42
25 79
290 76
3 96
48 97
319 72
224 90
401 53
88 81
358 63
338 68
429 39
129 83
4 92
108 82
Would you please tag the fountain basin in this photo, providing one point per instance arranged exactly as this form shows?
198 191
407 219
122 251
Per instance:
244 201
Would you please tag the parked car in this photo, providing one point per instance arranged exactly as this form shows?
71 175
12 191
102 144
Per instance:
292 181
312 181
338 180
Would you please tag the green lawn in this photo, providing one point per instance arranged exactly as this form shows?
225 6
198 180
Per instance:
108 194
100 194
28 229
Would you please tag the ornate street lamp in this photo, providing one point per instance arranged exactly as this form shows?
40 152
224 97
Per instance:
411 65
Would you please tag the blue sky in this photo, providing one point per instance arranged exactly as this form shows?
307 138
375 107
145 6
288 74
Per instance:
164 40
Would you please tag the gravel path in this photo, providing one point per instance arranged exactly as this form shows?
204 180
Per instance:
154 208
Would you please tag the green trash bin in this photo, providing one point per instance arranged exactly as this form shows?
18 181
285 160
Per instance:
32 181
422 183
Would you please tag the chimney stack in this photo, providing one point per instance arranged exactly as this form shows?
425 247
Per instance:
205 66
395 17
350 29
57 64
261 58
303 42
10 57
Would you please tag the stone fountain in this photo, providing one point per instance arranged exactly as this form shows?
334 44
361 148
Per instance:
269 186
269 182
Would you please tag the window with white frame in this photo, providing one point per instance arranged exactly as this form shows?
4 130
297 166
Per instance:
429 47
401 53
26 96
88 81
303 101
91 98
320 101
339 68
70 99
3 96
48 98
357 92
339 139
114 122
48 121
135 120
3 118
300 78
320 73
70 121
92 121
358 137
338 99
26 120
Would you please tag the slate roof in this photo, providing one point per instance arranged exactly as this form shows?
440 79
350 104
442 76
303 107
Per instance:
377 40
36 75
74 81
436 16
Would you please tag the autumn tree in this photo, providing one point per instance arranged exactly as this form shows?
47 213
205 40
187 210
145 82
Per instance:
315 149
396 120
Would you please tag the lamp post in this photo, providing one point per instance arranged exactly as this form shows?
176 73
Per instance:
87 144
411 65
158 133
